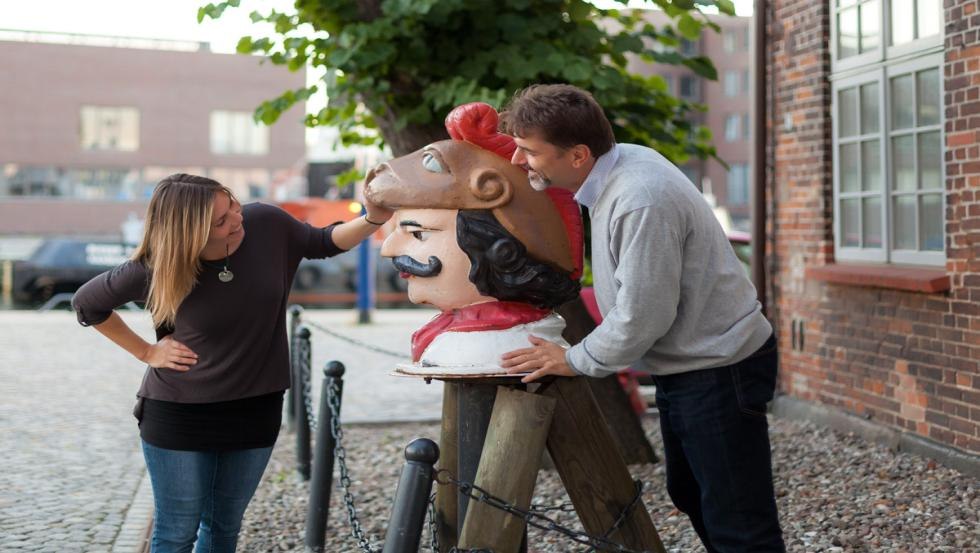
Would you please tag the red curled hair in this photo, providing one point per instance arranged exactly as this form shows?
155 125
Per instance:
476 123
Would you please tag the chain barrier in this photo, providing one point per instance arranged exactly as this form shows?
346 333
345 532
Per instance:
305 375
355 341
537 519
534 516
333 400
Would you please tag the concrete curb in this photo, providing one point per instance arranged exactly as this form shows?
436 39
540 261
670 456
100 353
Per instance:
896 440
133 536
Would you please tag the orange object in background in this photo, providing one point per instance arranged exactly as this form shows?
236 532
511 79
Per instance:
320 212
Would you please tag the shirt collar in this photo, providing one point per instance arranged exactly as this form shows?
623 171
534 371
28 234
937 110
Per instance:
596 181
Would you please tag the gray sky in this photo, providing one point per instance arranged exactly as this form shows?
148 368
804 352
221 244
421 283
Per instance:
167 19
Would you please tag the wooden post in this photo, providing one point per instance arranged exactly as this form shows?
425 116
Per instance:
508 469
447 523
591 468
475 404
623 423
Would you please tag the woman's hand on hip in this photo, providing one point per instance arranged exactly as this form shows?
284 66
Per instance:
169 354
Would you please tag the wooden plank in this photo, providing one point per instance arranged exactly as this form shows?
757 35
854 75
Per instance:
475 405
591 468
623 422
446 496
508 469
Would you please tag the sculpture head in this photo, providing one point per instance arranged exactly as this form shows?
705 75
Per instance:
469 227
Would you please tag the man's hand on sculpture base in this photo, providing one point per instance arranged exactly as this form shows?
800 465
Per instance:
541 360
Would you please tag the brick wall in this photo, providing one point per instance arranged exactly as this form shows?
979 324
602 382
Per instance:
905 360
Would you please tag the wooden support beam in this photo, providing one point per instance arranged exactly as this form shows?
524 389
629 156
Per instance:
623 423
512 451
590 466
474 407
447 524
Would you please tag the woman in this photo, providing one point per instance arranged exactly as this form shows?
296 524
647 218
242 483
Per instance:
215 276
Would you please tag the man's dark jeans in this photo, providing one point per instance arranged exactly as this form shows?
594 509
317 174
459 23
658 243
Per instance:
716 444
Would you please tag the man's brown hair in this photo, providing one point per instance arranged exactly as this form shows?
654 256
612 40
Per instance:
563 114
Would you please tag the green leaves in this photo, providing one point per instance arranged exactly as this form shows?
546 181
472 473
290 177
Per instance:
396 67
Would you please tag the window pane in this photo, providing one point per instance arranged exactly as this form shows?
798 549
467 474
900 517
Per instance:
847 33
904 221
849 168
870 26
850 225
930 161
903 26
929 14
931 225
847 116
729 41
731 83
928 96
870 165
869 108
903 102
731 128
903 163
872 222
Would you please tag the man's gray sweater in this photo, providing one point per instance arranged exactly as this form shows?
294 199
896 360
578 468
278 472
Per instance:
673 296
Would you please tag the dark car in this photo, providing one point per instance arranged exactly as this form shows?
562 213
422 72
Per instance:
339 274
62 265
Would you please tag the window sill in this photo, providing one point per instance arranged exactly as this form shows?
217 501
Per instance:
912 279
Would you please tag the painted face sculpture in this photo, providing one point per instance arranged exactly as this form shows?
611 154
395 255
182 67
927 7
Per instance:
477 242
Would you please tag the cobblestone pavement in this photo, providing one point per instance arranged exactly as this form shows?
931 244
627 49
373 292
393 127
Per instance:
73 477
72 465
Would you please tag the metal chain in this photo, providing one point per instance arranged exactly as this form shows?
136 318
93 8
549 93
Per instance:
305 374
356 342
433 531
333 400
543 522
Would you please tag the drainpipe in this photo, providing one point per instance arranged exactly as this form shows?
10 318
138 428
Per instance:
759 139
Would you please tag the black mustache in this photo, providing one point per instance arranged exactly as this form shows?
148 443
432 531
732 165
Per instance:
408 264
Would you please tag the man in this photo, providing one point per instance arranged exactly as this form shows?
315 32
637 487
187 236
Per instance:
675 302
475 241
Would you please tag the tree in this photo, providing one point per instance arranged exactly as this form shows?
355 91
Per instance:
396 67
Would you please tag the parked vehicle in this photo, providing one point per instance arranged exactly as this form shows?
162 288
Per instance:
339 274
62 265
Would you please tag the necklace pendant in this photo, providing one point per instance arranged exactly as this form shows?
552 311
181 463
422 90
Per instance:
226 276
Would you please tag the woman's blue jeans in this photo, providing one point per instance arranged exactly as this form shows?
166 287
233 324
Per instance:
202 496
716 448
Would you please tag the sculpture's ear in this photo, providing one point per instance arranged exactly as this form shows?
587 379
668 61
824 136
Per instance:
491 187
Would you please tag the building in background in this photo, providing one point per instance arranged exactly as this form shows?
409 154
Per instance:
874 213
92 123
728 100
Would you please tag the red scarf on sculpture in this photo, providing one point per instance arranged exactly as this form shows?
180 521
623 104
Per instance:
493 315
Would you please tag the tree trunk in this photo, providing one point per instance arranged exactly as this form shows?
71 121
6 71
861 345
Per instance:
410 138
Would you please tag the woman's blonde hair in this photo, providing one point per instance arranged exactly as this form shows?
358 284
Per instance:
178 222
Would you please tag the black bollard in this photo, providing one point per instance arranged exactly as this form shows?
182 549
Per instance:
323 457
411 498
295 318
303 352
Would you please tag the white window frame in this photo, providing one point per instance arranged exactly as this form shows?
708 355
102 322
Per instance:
913 66
887 253
737 134
879 65
98 112
262 135
876 255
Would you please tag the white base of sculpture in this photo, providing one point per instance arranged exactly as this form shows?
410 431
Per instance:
478 353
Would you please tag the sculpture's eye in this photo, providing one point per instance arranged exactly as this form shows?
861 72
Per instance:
420 235
432 164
